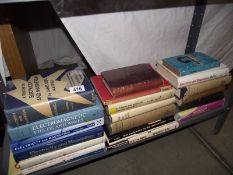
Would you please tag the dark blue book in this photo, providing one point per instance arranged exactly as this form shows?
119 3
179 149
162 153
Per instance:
190 63
24 151
47 95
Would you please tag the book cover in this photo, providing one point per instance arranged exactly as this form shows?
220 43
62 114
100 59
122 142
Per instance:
59 153
190 63
115 137
194 78
185 115
140 110
59 122
78 155
108 99
47 95
140 119
68 140
126 80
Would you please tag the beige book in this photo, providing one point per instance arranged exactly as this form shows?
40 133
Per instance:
194 89
140 101
200 95
140 110
141 119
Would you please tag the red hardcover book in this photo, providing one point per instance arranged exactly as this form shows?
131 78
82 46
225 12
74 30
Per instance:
130 79
107 98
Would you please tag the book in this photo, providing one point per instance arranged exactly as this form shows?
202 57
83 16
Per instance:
190 63
57 144
140 110
47 95
13 167
108 99
191 98
54 123
144 135
78 155
126 80
194 78
201 101
54 136
186 115
139 101
115 137
185 92
140 119
59 153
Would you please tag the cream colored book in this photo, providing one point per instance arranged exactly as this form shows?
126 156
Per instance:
140 101
140 110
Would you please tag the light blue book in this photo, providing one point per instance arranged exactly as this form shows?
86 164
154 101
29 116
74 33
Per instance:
58 122
190 63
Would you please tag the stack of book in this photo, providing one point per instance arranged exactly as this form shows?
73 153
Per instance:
199 80
139 103
53 118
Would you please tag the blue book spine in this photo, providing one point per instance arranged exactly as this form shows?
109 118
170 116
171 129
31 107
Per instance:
58 122
59 143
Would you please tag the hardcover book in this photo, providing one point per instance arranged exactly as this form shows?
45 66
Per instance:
187 64
47 95
126 80
108 99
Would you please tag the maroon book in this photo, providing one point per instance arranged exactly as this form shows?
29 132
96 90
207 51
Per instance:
126 80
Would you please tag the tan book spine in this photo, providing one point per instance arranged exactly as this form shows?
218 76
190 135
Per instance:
200 95
141 119
202 87
140 110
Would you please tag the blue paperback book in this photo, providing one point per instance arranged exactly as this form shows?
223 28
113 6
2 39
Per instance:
190 63
47 95
24 151
57 123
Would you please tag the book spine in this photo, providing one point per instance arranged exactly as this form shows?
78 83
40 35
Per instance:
78 155
139 110
58 144
150 133
125 90
137 130
55 123
187 91
59 153
141 119
140 101
183 116
55 135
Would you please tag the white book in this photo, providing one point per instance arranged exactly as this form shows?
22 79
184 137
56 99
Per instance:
194 78
140 101
54 154
140 110
63 159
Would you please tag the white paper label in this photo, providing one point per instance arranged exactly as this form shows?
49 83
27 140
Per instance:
75 89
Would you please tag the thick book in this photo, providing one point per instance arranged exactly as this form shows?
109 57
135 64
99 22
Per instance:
188 114
59 122
115 137
190 63
77 155
68 140
140 110
140 119
185 92
59 153
194 78
126 80
144 135
108 99
47 95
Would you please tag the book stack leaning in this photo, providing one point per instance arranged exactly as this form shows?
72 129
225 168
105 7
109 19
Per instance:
199 80
53 118
139 103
